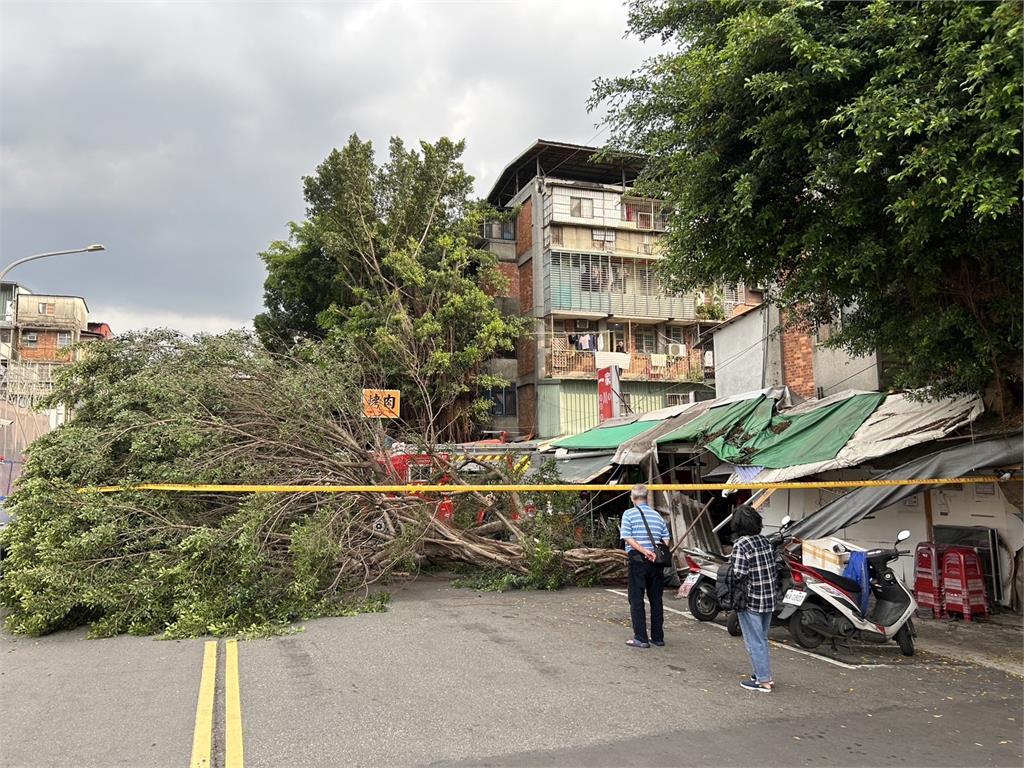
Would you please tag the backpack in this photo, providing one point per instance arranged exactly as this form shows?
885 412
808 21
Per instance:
731 595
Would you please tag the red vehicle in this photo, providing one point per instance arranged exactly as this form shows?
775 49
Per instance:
404 468
422 469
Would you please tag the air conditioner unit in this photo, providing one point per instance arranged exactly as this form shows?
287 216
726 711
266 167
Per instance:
31 337
677 350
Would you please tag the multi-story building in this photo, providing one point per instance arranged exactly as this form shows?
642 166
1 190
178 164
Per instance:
582 256
38 334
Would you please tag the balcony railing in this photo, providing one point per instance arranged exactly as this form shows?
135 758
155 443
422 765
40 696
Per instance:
574 364
599 283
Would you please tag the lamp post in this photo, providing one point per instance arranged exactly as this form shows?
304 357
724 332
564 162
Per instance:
33 257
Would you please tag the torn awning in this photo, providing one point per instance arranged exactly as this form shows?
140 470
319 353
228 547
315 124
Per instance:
898 423
750 432
715 421
638 449
583 469
981 456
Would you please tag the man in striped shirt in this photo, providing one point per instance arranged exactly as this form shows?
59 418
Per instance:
644 575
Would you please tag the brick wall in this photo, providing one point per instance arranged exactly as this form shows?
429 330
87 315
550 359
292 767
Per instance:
798 361
511 274
527 409
526 349
525 284
524 228
45 350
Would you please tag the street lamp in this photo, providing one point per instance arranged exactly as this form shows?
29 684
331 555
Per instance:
13 264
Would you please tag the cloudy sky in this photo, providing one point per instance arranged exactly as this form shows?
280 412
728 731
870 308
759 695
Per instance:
177 133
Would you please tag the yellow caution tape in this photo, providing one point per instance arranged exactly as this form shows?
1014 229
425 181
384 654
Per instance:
392 489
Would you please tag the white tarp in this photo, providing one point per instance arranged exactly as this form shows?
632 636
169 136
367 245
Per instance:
897 423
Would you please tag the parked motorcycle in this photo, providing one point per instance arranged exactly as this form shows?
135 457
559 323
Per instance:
699 586
828 605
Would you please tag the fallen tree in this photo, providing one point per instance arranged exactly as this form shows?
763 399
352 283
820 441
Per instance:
165 408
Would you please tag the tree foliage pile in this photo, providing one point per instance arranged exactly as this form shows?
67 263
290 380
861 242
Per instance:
164 408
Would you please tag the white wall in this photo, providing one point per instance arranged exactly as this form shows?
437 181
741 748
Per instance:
949 507
739 355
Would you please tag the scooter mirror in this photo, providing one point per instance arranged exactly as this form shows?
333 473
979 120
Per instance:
785 521
903 535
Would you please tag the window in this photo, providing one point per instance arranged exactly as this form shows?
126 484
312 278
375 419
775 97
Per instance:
643 340
674 334
46 308
500 230
63 339
503 400
581 207
556 235
595 276
677 399
620 276
626 400
604 239
646 282
29 340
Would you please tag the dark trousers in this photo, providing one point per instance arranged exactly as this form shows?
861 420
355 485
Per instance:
645 576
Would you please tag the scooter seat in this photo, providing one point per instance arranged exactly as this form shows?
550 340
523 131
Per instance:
840 581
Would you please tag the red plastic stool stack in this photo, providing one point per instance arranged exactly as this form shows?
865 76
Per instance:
963 583
928 577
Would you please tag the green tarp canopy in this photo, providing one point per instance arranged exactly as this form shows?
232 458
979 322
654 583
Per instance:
606 437
747 433
715 421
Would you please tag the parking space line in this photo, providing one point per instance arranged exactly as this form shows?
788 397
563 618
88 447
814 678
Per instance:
202 736
232 708
776 643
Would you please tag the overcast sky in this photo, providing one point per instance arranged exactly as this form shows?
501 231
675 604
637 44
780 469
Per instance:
177 133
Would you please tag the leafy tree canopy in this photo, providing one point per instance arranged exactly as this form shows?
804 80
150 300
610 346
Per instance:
387 265
861 158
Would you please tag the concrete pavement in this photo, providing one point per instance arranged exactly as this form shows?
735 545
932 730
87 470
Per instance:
454 677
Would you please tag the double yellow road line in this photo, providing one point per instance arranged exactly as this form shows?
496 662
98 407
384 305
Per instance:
202 737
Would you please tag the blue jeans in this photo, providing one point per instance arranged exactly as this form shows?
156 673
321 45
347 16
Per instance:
755 637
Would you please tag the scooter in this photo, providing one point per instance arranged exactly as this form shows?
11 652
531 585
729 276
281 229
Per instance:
699 586
827 604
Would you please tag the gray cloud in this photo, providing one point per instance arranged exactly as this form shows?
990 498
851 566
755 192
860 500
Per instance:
177 133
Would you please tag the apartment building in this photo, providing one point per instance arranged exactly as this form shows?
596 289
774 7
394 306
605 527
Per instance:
582 256
39 333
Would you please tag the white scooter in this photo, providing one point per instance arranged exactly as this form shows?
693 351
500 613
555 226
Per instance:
828 605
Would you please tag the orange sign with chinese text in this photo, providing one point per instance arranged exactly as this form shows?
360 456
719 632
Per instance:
381 403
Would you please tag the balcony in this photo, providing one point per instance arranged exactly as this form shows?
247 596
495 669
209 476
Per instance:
598 283
574 364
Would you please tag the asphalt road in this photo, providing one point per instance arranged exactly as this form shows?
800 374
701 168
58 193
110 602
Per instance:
454 677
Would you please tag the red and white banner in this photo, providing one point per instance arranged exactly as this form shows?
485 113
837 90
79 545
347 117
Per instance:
608 400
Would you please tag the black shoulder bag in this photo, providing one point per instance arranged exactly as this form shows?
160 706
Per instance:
662 554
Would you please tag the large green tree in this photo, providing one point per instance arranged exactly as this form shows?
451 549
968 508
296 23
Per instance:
860 158
387 269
